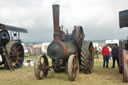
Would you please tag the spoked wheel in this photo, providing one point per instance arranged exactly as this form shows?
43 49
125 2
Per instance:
125 68
87 57
73 67
41 67
16 52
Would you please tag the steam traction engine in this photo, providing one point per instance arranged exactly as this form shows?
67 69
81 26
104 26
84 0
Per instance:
68 52
123 47
11 49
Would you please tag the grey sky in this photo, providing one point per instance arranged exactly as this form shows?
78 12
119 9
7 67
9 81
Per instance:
99 18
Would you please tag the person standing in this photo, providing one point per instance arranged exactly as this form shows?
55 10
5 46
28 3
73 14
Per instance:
115 55
105 52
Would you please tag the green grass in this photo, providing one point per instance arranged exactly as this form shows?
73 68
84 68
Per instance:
25 76
31 57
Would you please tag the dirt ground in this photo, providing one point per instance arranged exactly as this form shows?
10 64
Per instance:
25 76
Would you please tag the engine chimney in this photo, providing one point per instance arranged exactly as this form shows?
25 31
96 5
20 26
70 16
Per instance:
55 8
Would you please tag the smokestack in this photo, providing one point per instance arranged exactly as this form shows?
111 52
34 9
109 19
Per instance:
55 8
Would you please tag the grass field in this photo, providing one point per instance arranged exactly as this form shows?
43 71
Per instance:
30 57
25 76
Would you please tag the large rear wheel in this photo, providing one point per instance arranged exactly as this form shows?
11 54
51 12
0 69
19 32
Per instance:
15 51
87 57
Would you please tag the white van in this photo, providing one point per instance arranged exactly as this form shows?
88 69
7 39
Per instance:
111 43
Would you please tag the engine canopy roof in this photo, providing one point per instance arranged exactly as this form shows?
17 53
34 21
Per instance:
12 28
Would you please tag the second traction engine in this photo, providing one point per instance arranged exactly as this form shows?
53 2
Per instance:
66 51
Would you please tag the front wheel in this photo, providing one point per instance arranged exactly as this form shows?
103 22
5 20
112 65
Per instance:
73 67
41 67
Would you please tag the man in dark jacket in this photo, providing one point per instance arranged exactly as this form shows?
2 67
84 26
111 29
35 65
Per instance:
115 55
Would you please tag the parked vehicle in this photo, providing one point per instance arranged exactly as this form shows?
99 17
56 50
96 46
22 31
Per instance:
111 43
68 52
11 49
123 46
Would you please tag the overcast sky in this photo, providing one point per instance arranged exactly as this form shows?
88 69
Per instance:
99 18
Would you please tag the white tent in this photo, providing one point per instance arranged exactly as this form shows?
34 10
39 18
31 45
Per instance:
44 47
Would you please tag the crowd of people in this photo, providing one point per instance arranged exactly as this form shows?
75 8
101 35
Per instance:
107 55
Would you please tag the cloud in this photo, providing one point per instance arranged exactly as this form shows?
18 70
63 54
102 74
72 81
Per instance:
99 18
